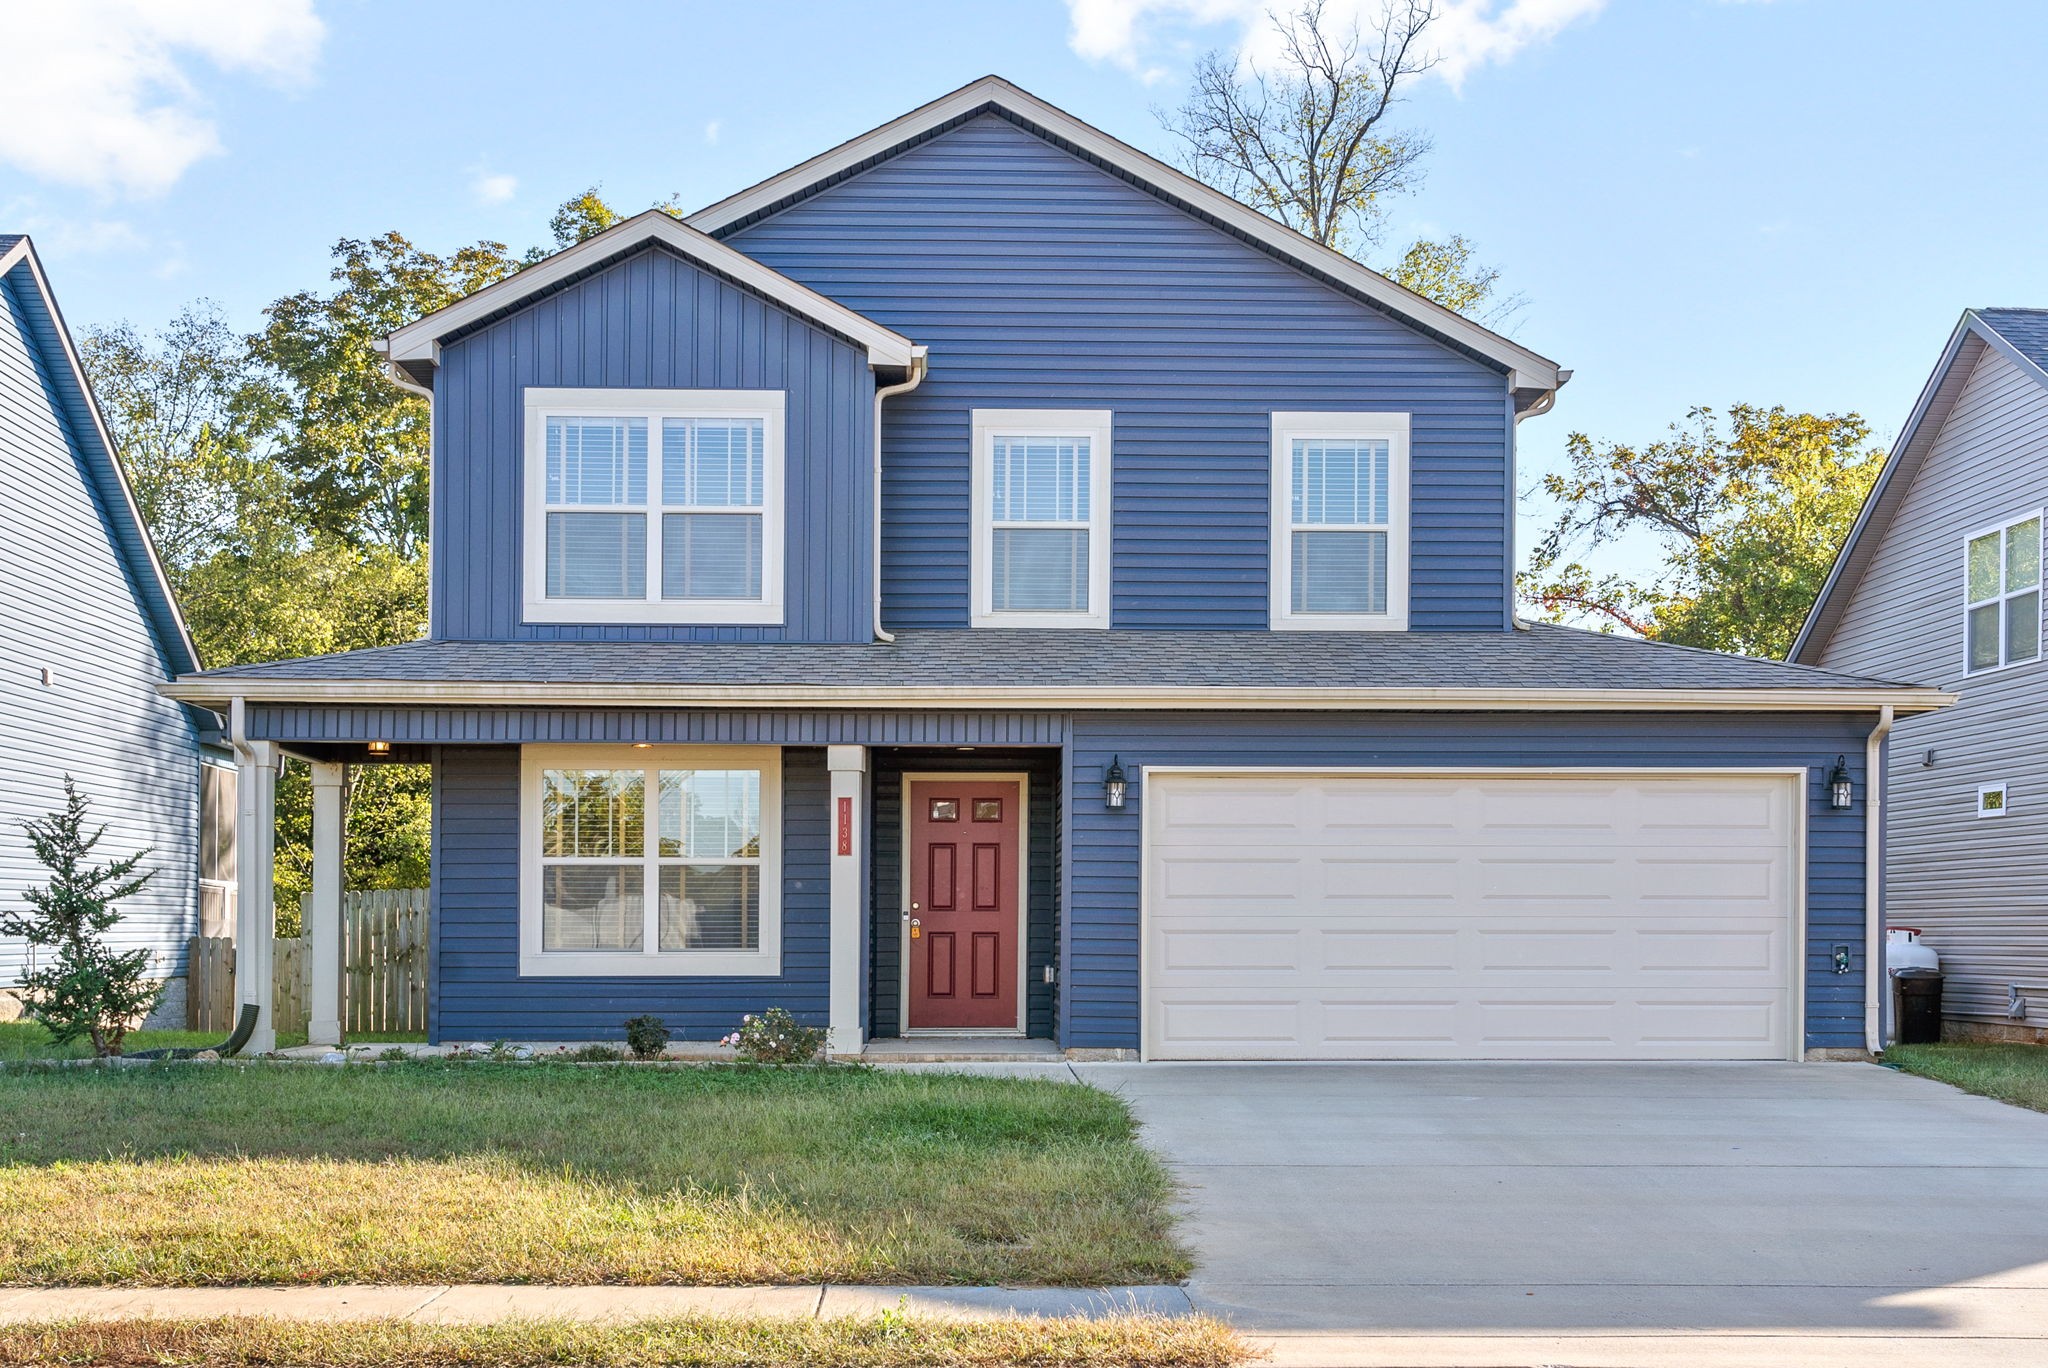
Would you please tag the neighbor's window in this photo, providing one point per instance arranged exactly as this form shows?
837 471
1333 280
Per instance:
650 861
654 506
2004 578
1991 800
1041 493
1340 520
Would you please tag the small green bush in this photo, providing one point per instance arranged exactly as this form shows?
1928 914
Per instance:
774 1037
646 1037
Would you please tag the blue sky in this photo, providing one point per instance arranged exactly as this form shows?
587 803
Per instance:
1704 201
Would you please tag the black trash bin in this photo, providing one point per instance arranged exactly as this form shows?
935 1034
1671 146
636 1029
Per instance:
1919 1006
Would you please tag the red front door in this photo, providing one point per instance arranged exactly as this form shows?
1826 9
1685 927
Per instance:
965 842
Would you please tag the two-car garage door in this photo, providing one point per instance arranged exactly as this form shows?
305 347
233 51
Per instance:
1329 915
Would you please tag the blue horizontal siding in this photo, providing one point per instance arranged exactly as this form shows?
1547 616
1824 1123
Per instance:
476 992
1100 996
789 727
651 320
1040 280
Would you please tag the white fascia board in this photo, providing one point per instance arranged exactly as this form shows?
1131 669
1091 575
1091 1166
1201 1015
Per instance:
1526 369
1083 699
420 340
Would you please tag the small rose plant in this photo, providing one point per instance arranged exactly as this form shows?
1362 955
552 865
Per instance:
775 1037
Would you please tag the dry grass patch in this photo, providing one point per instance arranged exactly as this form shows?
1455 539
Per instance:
889 1341
185 1175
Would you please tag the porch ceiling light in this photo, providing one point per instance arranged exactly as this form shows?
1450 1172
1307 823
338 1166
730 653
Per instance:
379 748
1114 784
1841 791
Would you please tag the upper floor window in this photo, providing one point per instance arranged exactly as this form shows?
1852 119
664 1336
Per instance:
654 505
1340 521
1041 493
2003 623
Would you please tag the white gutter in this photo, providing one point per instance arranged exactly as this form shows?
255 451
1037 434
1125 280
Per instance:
918 366
1874 976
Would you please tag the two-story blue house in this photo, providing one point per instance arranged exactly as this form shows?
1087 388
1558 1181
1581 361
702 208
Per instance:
982 582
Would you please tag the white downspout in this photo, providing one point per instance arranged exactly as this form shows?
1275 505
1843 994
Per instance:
1874 978
915 378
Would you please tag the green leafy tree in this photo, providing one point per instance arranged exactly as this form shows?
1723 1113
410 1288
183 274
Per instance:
579 217
1445 271
355 445
1748 514
87 989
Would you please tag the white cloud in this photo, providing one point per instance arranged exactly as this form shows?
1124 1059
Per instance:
491 187
1469 33
100 94
713 129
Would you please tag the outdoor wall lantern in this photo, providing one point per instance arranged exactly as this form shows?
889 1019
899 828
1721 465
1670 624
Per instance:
1114 784
1841 792
379 748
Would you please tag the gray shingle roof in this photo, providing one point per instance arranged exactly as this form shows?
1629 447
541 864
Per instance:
2026 329
1542 658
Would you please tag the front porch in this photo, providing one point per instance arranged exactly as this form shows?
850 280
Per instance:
835 898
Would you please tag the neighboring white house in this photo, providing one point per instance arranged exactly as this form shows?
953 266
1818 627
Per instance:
87 631
1940 583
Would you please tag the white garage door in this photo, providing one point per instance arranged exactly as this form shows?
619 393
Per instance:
1344 916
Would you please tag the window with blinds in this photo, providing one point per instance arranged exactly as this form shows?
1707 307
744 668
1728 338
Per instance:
1339 487
1041 491
655 505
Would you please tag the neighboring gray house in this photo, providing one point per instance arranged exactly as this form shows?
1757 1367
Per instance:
87 631
1940 582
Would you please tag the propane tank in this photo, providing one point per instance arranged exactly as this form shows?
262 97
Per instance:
1903 949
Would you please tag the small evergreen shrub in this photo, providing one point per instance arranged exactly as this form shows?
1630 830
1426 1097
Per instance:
646 1037
86 988
774 1037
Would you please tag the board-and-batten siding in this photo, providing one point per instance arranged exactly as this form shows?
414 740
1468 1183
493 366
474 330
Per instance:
476 991
68 604
1039 280
1100 978
1977 887
651 320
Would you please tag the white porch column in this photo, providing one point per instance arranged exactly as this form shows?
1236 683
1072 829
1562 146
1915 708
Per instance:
848 765
323 907
255 919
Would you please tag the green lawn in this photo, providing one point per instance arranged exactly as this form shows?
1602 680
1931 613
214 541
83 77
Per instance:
470 1172
2011 1073
886 1341
26 1040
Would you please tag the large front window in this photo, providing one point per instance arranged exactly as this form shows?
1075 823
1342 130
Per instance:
656 860
654 506
2002 625
1340 520
1041 493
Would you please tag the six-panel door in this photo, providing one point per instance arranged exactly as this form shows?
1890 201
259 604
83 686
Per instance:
963 938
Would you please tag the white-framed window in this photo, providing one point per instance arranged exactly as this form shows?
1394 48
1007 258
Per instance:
1041 490
654 505
2002 595
1340 521
1991 800
650 860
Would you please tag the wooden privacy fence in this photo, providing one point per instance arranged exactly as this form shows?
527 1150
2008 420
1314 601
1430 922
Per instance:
383 969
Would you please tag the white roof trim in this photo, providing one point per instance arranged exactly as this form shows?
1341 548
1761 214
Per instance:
420 340
257 689
1527 369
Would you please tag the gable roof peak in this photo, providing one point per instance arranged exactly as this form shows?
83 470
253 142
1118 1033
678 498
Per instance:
413 351
1535 378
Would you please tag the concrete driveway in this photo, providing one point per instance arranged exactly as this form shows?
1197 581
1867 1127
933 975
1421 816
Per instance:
1471 1214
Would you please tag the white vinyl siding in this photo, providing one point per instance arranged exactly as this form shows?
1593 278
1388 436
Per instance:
1340 521
2002 585
650 860
1041 492
655 506
1977 888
